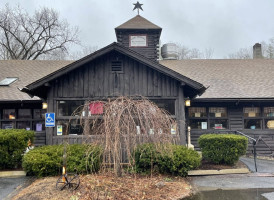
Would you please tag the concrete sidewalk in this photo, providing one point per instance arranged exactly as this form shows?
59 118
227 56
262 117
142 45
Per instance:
263 166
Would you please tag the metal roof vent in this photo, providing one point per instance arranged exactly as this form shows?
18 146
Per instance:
170 51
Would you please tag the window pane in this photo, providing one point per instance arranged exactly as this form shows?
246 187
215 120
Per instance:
38 126
252 123
39 113
252 112
269 111
75 127
197 112
8 125
217 112
168 105
64 124
67 108
218 124
24 113
9 114
23 125
198 124
269 124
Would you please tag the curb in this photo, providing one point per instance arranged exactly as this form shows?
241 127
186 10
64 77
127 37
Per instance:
218 172
12 173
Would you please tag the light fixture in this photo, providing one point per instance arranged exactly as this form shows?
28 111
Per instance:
187 102
44 105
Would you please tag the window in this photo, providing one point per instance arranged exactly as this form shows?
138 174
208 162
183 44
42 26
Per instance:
269 117
24 125
217 112
24 113
7 81
8 125
252 112
168 105
218 118
39 113
9 114
67 108
197 112
197 117
252 118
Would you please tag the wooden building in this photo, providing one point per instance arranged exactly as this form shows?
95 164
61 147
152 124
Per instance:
239 94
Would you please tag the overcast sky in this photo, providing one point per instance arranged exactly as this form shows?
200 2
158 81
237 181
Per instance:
223 25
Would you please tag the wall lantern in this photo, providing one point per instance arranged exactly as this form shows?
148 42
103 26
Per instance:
187 102
44 105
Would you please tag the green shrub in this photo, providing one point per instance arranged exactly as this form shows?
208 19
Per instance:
48 160
222 148
13 143
175 159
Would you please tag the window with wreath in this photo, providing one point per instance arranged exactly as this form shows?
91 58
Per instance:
197 117
218 118
269 117
252 118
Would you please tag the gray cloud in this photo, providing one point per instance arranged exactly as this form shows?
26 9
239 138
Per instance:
222 25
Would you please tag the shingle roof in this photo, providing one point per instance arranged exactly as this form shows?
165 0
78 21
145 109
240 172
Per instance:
138 22
229 78
27 71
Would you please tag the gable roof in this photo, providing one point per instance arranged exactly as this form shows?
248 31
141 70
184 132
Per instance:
240 79
27 72
138 22
195 86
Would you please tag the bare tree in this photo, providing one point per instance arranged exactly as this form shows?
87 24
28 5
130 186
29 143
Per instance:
194 53
268 48
25 37
86 50
243 53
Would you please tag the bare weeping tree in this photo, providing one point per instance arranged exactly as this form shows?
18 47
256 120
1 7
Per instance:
124 124
40 36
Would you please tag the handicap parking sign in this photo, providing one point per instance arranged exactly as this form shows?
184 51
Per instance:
50 119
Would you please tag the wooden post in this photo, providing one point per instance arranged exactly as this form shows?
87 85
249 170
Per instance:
50 130
181 115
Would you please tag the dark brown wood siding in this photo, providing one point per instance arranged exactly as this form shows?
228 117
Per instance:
236 123
153 37
96 79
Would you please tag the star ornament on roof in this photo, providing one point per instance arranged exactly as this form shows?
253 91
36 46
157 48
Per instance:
138 6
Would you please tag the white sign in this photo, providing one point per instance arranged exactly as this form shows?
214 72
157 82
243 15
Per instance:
50 119
59 130
204 125
138 41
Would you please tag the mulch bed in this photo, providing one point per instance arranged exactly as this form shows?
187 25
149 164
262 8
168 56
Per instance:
107 186
209 166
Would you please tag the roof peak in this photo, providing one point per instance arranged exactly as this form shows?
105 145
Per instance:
138 22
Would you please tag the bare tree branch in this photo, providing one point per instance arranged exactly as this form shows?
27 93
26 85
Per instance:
27 37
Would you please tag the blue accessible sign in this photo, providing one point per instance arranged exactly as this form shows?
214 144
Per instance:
50 120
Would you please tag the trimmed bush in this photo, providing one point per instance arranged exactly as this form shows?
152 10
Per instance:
222 148
176 160
13 143
48 160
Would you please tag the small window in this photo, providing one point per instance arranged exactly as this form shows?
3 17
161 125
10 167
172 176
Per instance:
198 124
219 124
217 112
269 111
24 113
116 66
68 108
252 112
168 105
197 112
252 124
9 114
7 81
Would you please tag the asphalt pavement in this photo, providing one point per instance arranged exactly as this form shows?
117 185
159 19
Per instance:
263 166
10 185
